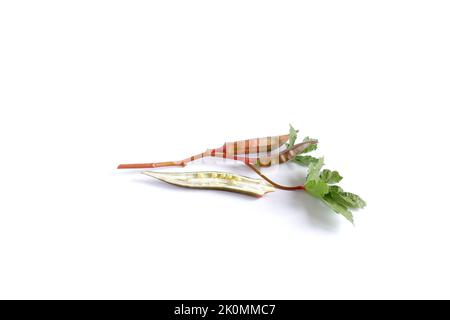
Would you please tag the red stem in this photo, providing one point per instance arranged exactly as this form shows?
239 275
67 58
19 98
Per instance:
151 165
279 186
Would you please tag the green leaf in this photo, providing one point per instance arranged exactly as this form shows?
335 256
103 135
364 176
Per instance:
336 189
350 200
329 176
305 160
314 185
357 201
317 184
338 208
292 136
316 188
311 147
314 170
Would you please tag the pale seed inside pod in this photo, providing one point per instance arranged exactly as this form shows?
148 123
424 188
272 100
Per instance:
215 180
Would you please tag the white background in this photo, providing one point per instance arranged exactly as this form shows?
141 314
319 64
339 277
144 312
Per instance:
85 85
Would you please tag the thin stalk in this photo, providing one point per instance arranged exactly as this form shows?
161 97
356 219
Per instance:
276 185
151 165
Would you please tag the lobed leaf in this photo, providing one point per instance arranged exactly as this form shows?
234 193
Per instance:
305 160
321 184
292 136
314 170
329 176
311 147
348 199
338 208
316 188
